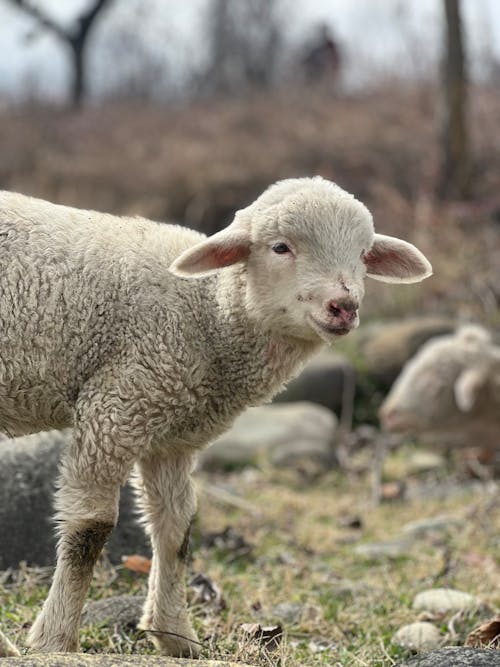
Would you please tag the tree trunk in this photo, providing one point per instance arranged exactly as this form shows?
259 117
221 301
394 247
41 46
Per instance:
78 84
455 171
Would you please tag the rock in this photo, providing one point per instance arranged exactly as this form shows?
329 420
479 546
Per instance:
437 524
390 346
293 454
286 432
455 657
418 637
322 381
28 472
110 660
293 612
123 611
424 461
384 550
445 600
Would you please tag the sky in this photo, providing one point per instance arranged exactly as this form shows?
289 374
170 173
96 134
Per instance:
377 35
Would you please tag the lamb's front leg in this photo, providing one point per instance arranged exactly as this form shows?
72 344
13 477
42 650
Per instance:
168 502
87 508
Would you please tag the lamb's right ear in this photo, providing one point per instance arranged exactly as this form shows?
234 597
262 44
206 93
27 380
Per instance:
230 246
468 385
392 260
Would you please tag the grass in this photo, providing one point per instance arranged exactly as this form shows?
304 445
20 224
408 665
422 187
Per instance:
304 552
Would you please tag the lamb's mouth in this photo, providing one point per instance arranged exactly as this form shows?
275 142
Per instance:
329 328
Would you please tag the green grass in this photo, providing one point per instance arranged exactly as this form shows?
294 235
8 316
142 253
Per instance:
302 553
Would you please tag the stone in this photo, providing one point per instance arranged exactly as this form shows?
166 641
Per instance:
437 524
322 381
445 601
28 472
419 637
455 657
390 346
424 460
384 550
293 612
110 660
272 430
122 611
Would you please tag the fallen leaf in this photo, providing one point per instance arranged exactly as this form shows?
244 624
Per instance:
487 635
206 592
270 636
392 491
136 563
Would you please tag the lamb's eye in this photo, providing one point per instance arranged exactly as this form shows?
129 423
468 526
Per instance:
281 248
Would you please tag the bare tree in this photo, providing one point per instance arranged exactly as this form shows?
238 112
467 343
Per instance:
455 175
74 38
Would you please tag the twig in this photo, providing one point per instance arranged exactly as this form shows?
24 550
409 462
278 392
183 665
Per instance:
228 498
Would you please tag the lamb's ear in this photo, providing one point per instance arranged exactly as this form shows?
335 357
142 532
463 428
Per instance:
230 246
392 260
468 385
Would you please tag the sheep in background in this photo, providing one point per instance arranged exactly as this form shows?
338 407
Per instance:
451 387
149 340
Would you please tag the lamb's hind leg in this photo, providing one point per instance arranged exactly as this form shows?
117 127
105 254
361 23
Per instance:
168 502
87 508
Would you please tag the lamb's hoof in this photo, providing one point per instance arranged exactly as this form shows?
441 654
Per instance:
42 641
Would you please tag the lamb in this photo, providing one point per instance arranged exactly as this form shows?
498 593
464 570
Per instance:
149 339
451 388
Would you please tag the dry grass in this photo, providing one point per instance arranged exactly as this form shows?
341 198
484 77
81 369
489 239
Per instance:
304 553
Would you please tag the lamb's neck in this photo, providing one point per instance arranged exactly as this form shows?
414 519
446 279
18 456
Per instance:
272 357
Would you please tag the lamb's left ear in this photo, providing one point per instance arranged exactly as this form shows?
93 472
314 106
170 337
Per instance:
468 385
392 260
230 246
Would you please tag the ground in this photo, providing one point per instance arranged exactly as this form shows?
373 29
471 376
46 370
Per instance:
294 541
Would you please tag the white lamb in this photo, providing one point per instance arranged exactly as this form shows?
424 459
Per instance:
451 387
149 339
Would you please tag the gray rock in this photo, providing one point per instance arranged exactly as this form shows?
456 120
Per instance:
455 657
437 524
445 600
322 381
109 660
123 611
28 471
390 346
424 460
293 612
418 637
384 550
272 430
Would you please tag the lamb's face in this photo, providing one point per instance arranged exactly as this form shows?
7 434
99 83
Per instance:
306 246
305 269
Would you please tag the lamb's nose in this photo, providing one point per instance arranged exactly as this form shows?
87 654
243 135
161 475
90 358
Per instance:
344 309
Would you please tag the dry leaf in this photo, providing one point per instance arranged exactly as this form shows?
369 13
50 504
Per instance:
136 563
392 491
206 592
270 636
487 635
